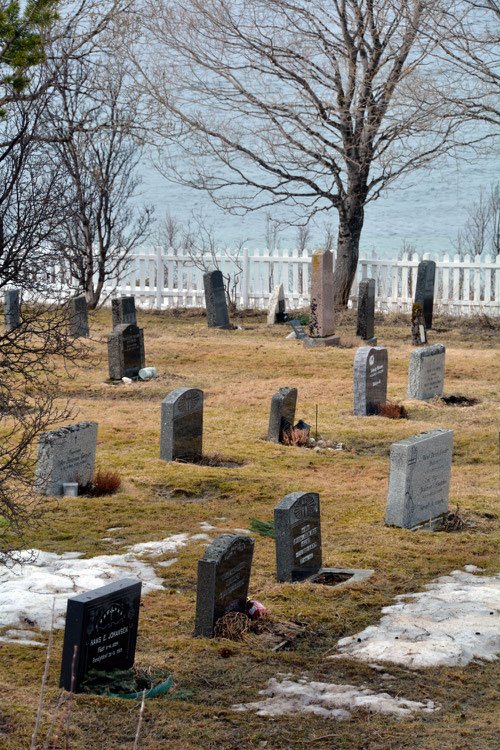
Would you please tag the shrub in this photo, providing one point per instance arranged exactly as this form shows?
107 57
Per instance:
295 436
103 483
392 410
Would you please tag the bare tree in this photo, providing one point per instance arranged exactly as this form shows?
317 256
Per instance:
311 104
92 135
481 232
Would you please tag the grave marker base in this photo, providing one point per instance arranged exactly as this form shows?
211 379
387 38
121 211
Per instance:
316 343
353 575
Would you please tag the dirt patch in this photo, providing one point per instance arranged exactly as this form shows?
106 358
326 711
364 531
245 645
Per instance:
268 633
456 400
329 578
213 459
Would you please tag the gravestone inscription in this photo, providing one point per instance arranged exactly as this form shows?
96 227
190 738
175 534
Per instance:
321 325
12 309
102 625
297 526
182 425
123 311
366 311
78 317
215 300
65 455
419 479
424 291
223 578
125 351
282 415
426 372
277 312
370 380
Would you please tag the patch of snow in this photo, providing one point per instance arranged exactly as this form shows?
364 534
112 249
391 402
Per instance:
329 700
206 526
115 528
472 568
168 563
155 549
201 536
242 531
456 620
23 637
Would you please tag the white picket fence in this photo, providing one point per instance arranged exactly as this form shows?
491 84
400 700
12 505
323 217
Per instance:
160 278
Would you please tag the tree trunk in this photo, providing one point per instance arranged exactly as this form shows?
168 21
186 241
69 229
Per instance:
351 219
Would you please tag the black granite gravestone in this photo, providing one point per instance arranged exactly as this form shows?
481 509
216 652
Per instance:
366 311
78 317
102 625
123 311
125 351
369 380
182 425
297 526
223 577
424 292
298 329
215 300
282 414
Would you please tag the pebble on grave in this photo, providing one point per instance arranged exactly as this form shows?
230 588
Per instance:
65 455
215 300
123 311
102 625
282 415
424 290
78 317
277 312
125 351
321 324
182 425
426 372
365 327
223 578
419 480
370 380
418 331
11 309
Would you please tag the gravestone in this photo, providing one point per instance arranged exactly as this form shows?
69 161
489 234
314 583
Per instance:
102 624
123 311
298 330
370 380
419 479
297 526
321 325
78 317
182 425
11 309
223 577
125 351
424 291
277 312
366 312
426 372
282 414
65 455
418 332
215 300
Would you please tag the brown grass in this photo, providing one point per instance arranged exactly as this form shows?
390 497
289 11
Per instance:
392 410
295 436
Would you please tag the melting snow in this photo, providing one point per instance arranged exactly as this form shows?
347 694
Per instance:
329 700
455 620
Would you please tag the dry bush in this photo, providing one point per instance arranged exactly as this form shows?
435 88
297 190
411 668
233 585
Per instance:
295 436
234 626
104 483
392 410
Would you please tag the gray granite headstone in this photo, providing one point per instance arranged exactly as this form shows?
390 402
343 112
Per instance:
424 291
65 455
123 311
125 351
78 317
223 577
370 380
297 526
366 311
282 414
12 309
426 372
182 425
102 624
215 300
277 312
419 478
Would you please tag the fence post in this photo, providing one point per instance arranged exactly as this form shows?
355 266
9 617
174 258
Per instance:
245 279
160 277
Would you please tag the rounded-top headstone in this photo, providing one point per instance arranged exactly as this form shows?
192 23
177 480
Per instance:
282 414
182 425
370 380
297 526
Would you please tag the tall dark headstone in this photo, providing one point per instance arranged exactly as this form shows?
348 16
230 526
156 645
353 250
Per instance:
123 311
102 624
182 425
65 455
78 317
424 292
297 526
370 380
282 414
366 311
215 300
223 577
12 309
125 351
